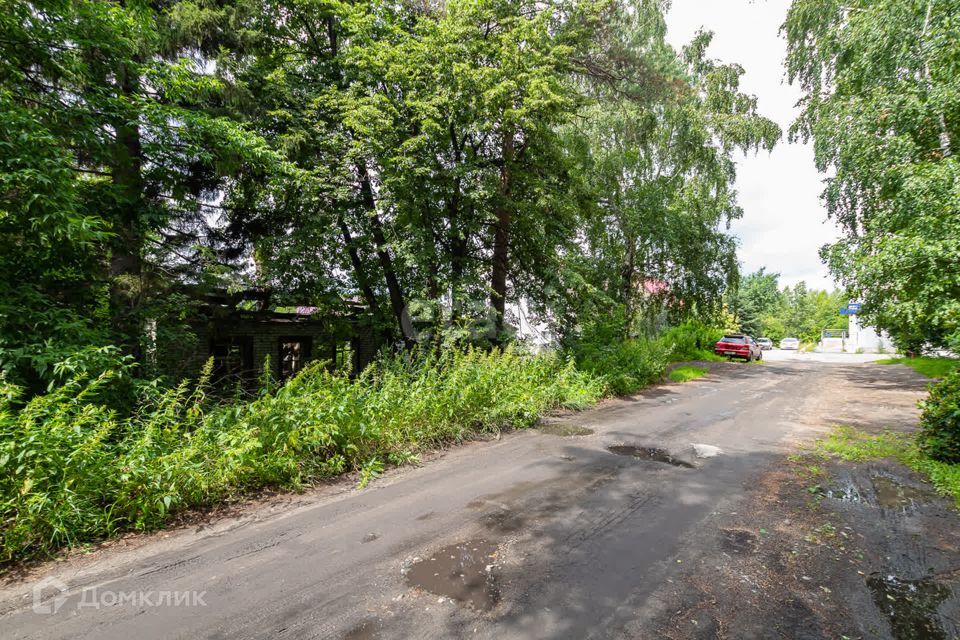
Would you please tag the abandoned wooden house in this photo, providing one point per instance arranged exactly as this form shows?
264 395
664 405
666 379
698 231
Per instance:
243 334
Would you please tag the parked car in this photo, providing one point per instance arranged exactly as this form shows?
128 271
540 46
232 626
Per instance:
790 343
765 343
738 345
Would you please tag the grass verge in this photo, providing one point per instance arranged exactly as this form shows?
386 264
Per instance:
854 445
687 373
926 365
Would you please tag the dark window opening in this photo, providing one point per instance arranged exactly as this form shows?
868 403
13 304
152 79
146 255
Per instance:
232 358
294 353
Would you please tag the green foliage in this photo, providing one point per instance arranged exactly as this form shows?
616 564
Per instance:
663 172
75 470
757 301
692 340
766 311
882 107
940 422
926 365
852 444
624 365
687 373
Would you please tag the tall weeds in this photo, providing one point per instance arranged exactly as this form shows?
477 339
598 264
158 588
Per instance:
73 470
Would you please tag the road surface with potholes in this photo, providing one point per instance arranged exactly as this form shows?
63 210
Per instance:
604 523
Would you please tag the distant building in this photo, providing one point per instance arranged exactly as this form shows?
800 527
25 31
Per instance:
240 340
867 339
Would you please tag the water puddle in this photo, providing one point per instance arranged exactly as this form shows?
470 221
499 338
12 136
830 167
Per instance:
462 572
649 453
891 493
845 493
564 430
910 606
366 630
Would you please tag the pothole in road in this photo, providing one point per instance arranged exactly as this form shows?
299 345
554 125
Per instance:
649 453
910 606
887 492
564 430
463 572
845 492
366 630
891 493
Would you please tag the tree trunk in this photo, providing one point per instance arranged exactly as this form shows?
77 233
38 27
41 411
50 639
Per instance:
458 234
358 271
126 257
627 276
946 146
458 251
397 302
501 241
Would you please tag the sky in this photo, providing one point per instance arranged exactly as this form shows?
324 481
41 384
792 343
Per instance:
784 222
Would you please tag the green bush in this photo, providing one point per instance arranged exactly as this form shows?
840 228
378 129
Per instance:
74 470
624 365
940 422
691 340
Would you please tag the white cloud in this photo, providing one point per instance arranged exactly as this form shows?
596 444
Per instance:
784 222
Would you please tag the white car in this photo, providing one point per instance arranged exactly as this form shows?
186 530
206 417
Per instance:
790 343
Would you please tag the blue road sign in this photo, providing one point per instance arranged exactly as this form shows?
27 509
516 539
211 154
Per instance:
853 307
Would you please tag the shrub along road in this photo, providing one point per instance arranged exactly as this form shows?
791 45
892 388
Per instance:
599 524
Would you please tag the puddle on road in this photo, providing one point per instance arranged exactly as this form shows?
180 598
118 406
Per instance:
910 606
366 630
564 430
649 453
462 572
845 493
887 492
891 493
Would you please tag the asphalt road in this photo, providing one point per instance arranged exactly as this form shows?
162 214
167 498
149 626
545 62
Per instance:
780 355
559 537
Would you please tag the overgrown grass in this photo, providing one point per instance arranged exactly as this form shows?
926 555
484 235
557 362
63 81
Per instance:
852 444
687 373
932 367
624 366
74 470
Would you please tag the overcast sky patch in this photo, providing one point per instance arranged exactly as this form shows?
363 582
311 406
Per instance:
784 222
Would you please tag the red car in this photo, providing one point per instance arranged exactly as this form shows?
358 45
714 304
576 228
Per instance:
738 345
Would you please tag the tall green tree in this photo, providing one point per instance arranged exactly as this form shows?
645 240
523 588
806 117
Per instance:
882 107
665 174
111 148
757 300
